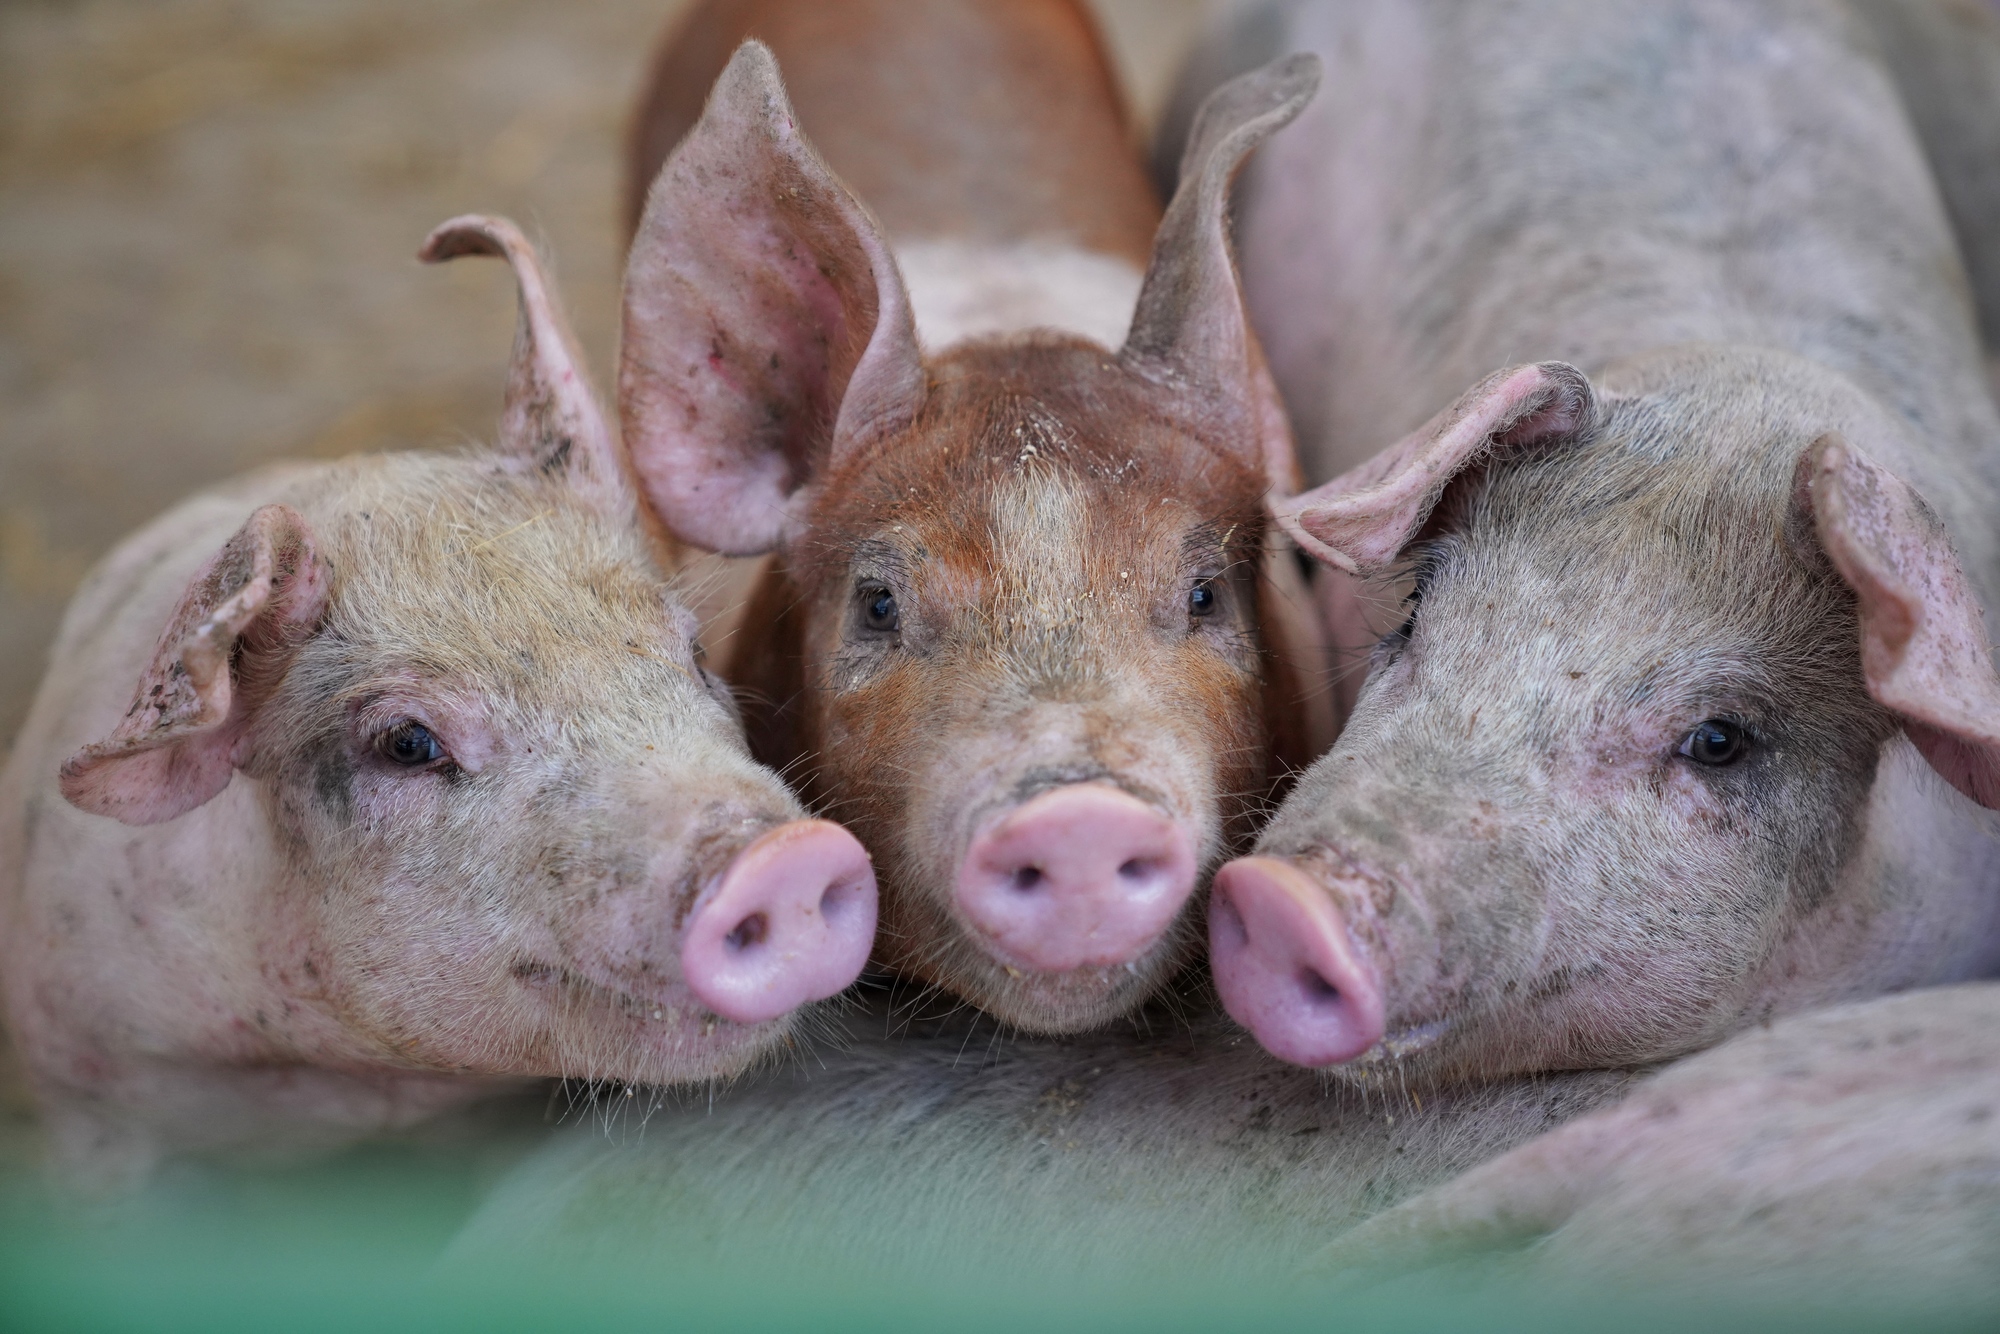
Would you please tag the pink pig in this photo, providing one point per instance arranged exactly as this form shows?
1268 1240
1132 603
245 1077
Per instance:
423 788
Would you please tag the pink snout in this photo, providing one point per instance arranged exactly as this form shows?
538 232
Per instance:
1286 966
1081 875
791 921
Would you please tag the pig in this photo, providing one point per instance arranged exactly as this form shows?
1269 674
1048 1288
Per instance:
423 792
1683 713
1945 58
929 1157
1849 1157
1019 629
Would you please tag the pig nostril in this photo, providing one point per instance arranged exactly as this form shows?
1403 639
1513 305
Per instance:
834 902
1137 869
750 931
1027 877
1318 990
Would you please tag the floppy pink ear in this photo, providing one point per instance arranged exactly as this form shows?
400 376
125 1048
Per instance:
1924 649
767 330
231 636
551 416
1189 328
1361 520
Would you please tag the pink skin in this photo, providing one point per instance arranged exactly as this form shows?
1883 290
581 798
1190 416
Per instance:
1286 966
1081 876
789 922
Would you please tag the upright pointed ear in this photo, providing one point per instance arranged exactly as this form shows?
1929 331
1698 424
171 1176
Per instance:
1361 520
231 637
1190 329
551 416
1924 648
767 331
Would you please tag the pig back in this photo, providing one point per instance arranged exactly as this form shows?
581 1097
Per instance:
1488 185
988 120
941 1156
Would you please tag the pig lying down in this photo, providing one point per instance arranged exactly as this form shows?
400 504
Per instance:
1689 718
931 1157
422 789
1849 1157
1015 632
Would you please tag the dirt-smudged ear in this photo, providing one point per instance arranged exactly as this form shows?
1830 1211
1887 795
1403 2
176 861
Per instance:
1924 647
1361 520
229 641
551 416
767 330
1190 328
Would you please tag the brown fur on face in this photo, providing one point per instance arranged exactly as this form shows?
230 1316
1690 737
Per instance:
1041 527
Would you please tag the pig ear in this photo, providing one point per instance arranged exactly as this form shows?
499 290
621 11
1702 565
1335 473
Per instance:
1924 650
762 307
230 638
551 416
1189 328
1361 520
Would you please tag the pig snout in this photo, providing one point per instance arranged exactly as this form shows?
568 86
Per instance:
790 921
1081 875
1287 967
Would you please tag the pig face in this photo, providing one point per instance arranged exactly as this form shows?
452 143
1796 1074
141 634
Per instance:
1030 622
1013 637
1608 790
516 827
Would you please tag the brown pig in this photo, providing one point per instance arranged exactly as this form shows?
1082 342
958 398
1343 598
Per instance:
1689 717
1014 632
422 787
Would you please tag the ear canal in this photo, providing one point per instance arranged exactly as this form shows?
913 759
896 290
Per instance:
229 639
1189 327
1361 520
1924 647
767 331
551 415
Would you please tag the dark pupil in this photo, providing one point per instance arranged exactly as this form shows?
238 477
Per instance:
1716 741
412 743
1202 600
882 610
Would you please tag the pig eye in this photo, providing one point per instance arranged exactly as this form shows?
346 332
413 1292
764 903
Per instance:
1716 742
410 744
878 608
1203 599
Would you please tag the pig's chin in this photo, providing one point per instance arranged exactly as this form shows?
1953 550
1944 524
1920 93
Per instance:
1053 1004
599 1031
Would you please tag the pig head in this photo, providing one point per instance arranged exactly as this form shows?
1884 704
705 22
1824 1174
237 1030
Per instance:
423 780
1690 720
1011 632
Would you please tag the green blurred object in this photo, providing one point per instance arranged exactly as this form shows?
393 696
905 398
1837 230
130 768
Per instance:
355 1241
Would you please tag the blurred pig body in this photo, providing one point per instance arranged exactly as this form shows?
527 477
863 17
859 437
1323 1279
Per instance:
422 789
1015 632
1689 718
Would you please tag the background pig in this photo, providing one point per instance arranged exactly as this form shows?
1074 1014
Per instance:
421 786
1849 1157
1014 632
1945 58
1689 717
934 1158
